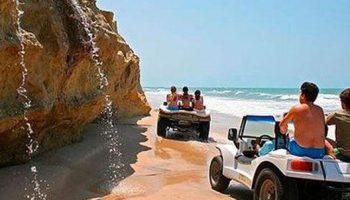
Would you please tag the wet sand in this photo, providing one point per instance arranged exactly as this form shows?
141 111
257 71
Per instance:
77 171
153 167
176 167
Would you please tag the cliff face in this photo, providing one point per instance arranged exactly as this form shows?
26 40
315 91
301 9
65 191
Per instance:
62 79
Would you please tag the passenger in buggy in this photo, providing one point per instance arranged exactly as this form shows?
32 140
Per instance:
340 148
172 99
186 99
198 102
309 122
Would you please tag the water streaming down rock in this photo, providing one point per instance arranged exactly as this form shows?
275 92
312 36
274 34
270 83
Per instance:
110 132
32 145
61 84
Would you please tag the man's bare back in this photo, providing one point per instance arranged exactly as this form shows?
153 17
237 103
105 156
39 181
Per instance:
309 123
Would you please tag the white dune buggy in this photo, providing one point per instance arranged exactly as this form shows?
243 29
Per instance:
277 175
183 121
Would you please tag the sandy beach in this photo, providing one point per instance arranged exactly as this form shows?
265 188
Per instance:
153 167
174 168
75 73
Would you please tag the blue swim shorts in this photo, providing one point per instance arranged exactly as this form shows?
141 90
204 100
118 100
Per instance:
295 149
173 108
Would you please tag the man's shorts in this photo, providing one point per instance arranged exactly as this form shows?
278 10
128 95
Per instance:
173 108
315 153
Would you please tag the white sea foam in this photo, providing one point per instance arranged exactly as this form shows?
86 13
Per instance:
219 92
239 92
258 103
261 103
289 97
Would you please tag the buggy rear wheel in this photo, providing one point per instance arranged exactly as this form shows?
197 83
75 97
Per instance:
204 128
162 126
273 186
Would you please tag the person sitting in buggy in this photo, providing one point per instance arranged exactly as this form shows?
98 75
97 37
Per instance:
198 102
172 99
340 148
186 100
309 122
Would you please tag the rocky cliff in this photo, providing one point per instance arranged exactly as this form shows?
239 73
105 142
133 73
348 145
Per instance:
62 80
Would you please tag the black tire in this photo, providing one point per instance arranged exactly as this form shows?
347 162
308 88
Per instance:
204 128
162 126
271 185
217 180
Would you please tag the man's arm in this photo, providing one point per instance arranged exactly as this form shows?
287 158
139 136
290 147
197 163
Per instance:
168 98
286 119
330 119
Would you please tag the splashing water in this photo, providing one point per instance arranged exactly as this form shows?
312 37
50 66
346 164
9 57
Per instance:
32 145
94 51
110 133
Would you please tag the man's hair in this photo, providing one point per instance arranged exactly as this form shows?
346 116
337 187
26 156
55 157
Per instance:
310 90
185 89
197 92
173 89
345 97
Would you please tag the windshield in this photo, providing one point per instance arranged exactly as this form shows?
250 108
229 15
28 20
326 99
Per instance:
255 126
258 128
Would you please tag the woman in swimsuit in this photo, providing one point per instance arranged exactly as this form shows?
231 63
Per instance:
198 102
172 99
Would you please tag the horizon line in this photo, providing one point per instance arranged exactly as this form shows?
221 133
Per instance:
205 87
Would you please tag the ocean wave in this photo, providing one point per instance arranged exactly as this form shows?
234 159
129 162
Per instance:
219 91
289 97
329 96
252 101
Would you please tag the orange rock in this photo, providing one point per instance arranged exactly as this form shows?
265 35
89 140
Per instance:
62 81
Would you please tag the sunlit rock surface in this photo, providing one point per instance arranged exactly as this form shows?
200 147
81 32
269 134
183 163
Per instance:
62 78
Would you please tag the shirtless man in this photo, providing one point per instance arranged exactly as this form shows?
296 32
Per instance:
186 99
172 99
309 123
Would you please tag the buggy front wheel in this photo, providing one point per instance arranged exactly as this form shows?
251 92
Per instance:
217 180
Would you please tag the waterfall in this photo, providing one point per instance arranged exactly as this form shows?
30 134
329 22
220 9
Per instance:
32 145
110 133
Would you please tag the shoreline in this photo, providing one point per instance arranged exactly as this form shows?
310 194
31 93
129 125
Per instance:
174 168
78 171
153 167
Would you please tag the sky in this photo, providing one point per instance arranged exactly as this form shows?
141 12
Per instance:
231 43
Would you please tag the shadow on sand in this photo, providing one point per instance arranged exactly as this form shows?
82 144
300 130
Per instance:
239 192
78 171
186 136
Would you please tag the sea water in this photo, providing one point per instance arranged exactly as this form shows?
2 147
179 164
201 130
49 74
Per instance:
239 102
244 101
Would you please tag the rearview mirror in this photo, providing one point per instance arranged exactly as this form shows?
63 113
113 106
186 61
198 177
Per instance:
165 103
232 134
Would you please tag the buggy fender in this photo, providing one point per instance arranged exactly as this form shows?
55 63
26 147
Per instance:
280 162
228 152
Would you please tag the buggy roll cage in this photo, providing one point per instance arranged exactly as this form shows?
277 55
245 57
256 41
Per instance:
280 139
